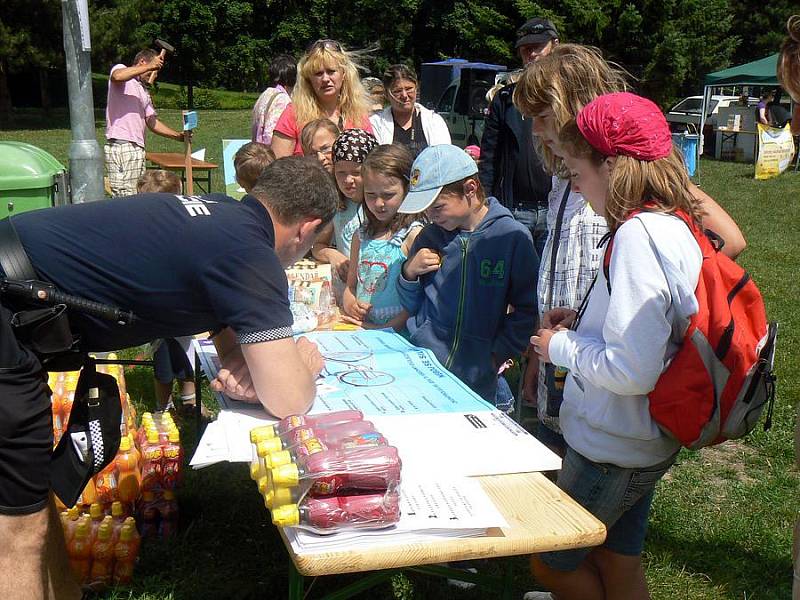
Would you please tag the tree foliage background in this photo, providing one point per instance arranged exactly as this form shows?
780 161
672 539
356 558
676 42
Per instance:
668 45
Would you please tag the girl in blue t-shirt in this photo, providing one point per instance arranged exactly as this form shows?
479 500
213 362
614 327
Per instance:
381 245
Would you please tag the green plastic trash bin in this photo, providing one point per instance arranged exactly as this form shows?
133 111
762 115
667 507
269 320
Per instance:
30 178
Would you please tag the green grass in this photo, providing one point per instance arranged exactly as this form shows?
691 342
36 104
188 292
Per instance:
51 133
722 519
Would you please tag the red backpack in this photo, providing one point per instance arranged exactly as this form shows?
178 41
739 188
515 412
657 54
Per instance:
718 383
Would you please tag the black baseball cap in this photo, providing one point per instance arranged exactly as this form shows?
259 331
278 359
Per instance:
536 31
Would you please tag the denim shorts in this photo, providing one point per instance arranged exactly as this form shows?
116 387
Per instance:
618 497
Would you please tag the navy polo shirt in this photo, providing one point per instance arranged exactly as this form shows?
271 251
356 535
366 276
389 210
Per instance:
182 264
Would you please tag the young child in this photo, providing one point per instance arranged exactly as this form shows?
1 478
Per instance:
250 161
317 140
381 245
349 151
464 270
172 357
620 156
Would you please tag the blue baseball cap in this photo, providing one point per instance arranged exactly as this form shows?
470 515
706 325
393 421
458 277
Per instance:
434 168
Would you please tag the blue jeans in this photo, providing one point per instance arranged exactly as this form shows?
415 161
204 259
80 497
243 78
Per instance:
617 496
536 222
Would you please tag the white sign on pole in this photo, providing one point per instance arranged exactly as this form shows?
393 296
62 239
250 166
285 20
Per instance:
83 20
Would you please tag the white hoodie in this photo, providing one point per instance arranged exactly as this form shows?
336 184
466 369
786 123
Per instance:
624 343
433 126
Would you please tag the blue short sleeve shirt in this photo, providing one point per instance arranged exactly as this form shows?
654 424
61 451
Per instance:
182 264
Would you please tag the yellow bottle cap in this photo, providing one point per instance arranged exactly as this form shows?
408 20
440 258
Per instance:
126 533
274 444
287 515
96 511
82 530
278 497
152 436
276 459
169 495
286 475
116 509
264 447
174 436
256 471
124 444
264 485
74 513
262 432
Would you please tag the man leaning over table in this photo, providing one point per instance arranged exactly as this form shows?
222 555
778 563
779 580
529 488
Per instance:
182 265
129 110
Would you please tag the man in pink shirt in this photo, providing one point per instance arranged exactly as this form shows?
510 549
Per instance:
128 111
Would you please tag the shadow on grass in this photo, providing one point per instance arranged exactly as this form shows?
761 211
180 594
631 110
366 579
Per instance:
742 572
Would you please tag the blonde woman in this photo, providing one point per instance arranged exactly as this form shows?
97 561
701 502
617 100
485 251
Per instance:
328 86
789 68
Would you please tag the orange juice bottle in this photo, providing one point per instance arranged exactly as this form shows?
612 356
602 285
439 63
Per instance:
106 484
102 556
125 553
118 516
66 407
169 514
56 402
136 539
79 549
71 523
89 494
128 475
96 515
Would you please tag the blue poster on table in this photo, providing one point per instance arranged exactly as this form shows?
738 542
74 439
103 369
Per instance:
377 372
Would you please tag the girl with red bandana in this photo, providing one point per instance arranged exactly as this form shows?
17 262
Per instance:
620 157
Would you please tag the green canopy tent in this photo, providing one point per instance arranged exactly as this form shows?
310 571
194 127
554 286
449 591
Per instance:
759 72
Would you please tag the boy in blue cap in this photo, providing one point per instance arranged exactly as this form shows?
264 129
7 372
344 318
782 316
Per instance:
469 283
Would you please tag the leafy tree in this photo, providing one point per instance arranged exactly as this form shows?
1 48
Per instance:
30 37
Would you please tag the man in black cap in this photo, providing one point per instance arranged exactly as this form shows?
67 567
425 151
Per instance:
510 168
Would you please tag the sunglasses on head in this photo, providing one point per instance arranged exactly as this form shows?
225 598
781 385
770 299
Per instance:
325 44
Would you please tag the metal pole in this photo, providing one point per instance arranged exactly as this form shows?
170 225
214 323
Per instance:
85 158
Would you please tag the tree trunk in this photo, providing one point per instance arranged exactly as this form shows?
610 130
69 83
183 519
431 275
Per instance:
5 95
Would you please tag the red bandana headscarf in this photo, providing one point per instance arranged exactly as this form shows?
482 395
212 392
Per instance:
627 124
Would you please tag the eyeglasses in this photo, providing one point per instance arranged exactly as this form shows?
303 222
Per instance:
409 91
325 44
325 150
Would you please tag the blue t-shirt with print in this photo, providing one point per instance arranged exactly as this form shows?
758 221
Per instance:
182 264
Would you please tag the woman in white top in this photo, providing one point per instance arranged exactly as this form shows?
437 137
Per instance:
405 121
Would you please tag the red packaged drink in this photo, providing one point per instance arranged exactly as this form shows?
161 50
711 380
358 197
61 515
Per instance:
149 511
152 458
172 461
294 421
326 433
169 514
312 445
329 472
337 513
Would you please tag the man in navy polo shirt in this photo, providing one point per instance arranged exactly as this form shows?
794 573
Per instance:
182 265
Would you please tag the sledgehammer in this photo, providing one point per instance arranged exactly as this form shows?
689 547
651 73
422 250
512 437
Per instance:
165 47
